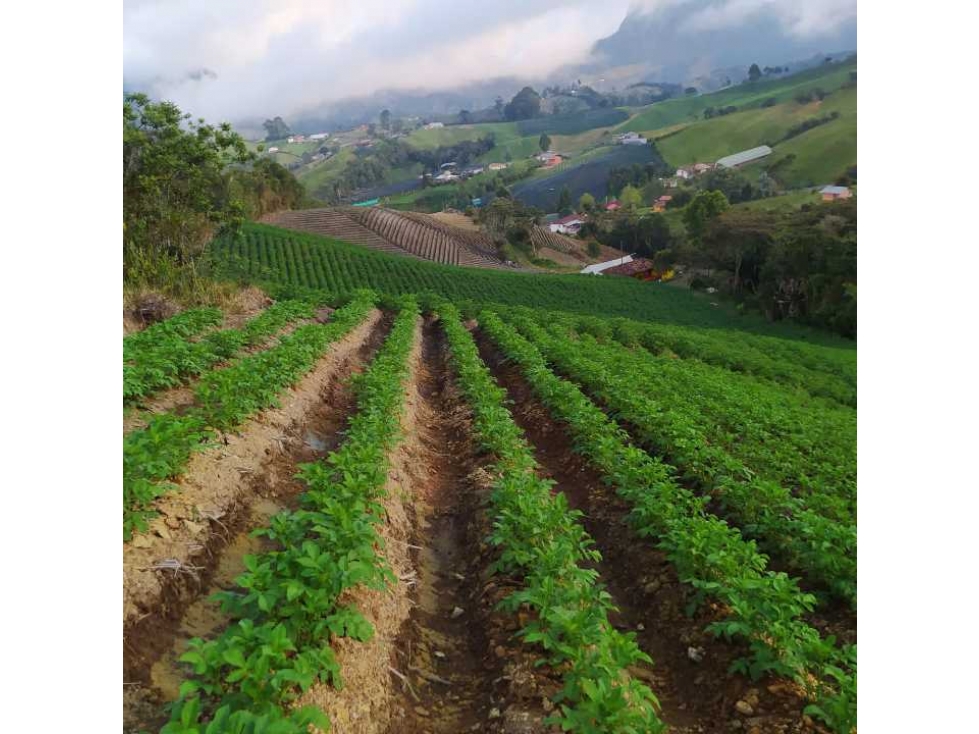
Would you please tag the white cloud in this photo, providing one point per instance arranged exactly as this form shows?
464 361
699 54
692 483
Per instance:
281 57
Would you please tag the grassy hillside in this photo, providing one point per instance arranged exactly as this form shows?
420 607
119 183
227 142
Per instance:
708 140
690 109
268 254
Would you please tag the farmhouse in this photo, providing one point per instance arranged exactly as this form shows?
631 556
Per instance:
446 177
613 205
833 193
550 158
745 156
660 204
273 149
434 125
684 173
497 166
599 268
631 139
566 225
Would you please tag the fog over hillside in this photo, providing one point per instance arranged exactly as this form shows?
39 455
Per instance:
244 61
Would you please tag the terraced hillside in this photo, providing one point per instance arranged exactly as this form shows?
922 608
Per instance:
400 233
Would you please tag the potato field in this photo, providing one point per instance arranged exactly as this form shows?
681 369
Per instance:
419 510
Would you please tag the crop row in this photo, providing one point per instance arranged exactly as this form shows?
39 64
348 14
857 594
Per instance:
269 255
288 606
783 435
823 549
541 541
763 608
172 359
160 451
817 370
184 325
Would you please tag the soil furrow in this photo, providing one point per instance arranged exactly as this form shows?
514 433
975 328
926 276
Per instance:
204 528
443 670
690 669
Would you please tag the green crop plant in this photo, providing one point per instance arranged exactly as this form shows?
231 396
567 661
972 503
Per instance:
224 399
286 608
171 359
540 540
764 608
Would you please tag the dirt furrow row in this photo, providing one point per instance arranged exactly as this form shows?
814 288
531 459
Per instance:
690 667
197 544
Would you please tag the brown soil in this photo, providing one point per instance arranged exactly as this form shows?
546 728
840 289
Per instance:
203 525
695 696
442 668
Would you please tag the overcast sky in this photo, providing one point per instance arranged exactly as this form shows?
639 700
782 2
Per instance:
235 59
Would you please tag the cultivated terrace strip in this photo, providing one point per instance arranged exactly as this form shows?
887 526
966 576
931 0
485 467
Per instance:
184 325
170 360
807 444
798 366
288 607
224 399
764 608
541 540
822 548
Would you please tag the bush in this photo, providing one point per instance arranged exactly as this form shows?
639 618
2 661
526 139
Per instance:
593 249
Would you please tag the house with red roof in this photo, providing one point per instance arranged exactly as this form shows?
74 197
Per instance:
570 224
613 205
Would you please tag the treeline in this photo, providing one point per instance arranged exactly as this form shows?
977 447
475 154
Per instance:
183 182
799 264
809 125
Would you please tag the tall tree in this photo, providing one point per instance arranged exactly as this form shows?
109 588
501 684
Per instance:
705 206
586 202
754 73
544 142
499 105
276 129
630 198
385 119
465 117
524 105
564 201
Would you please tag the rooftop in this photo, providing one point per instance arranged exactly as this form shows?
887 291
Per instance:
736 159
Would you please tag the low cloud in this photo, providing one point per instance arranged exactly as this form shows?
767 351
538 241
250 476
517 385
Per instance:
237 59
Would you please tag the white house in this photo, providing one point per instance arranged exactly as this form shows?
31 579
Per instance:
497 166
684 173
434 125
319 136
273 149
446 177
597 268
566 225
631 139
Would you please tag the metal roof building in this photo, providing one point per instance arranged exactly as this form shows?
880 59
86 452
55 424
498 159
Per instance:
597 268
745 156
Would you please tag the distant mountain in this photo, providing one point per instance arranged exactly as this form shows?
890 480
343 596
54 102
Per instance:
666 44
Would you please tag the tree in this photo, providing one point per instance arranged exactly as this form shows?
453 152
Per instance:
690 91
564 201
385 119
544 142
276 129
587 202
754 73
465 117
397 125
705 206
593 249
630 198
524 105
371 130
176 186
499 105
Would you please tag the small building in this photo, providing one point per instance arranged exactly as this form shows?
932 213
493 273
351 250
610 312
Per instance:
446 177
497 166
685 173
745 156
640 268
473 171
699 168
613 206
570 224
631 139
319 136
660 204
549 158
450 164
434 125
834 193
599 268
273 149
